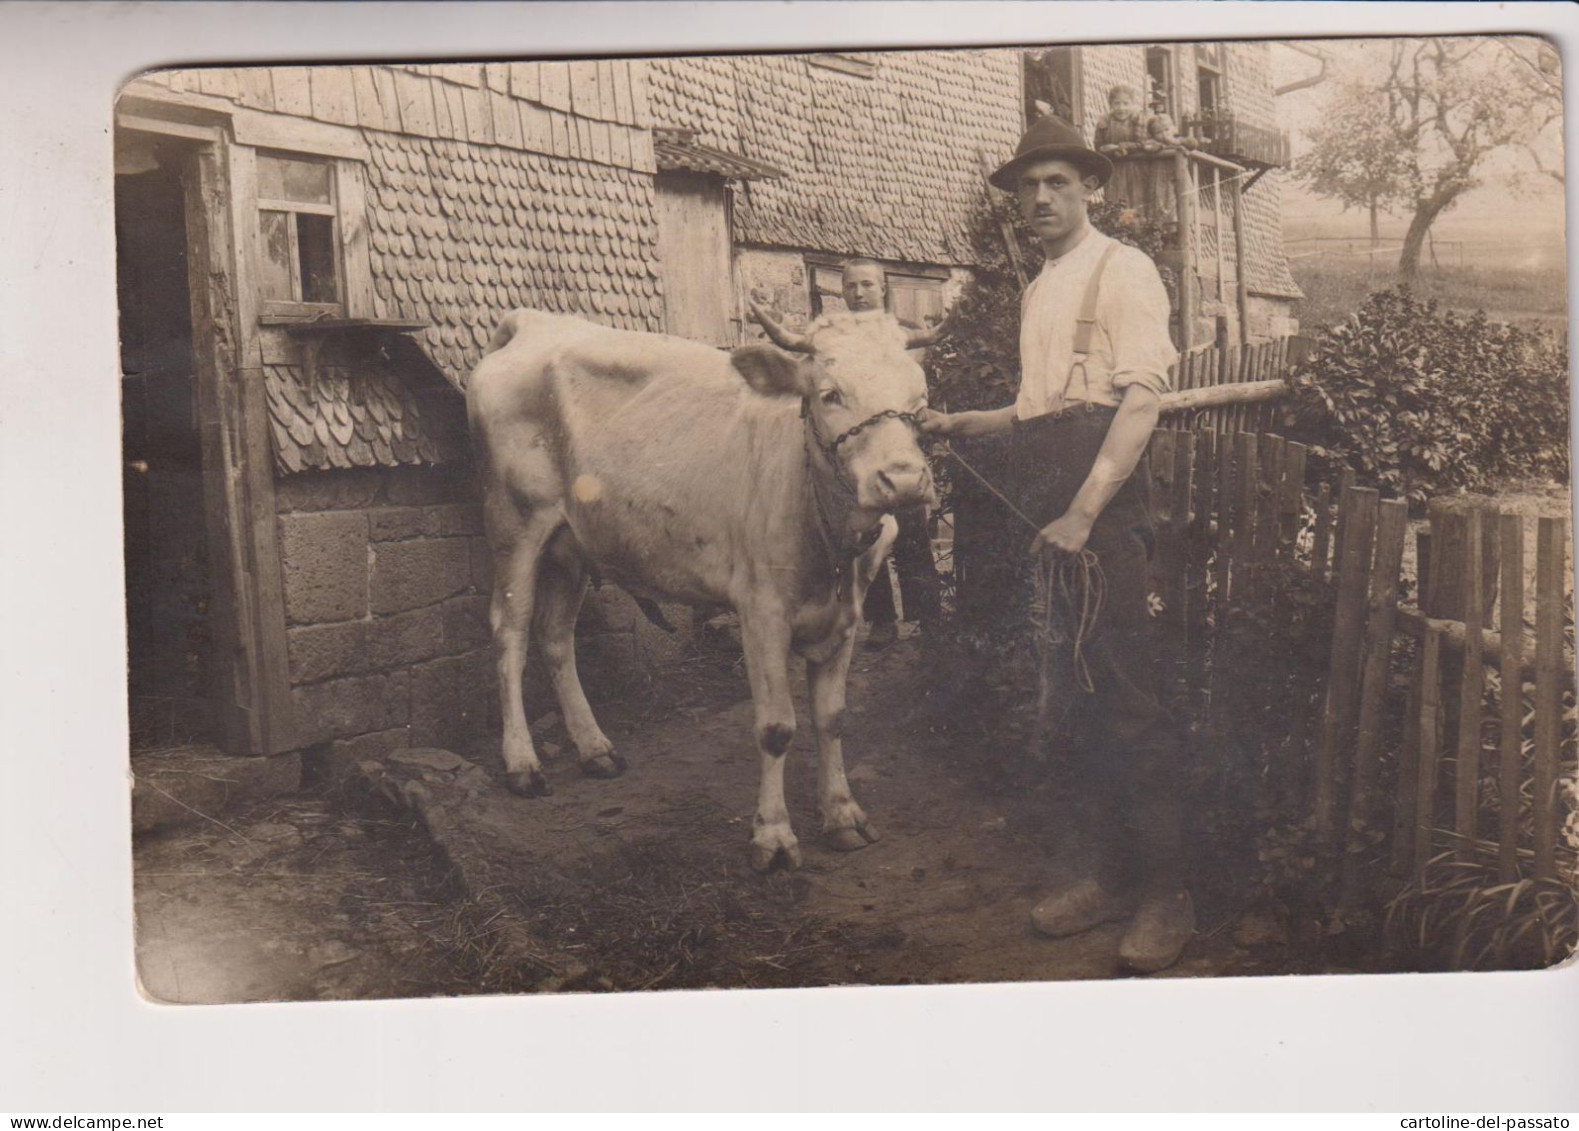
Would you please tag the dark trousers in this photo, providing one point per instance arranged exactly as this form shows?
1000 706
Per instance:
918 575
1128 754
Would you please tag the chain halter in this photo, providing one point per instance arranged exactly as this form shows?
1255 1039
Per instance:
843 554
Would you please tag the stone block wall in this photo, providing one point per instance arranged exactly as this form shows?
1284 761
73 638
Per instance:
387 580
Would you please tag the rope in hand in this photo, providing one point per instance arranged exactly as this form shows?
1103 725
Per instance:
1064 583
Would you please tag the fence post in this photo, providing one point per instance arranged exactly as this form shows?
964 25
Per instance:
1381 614
1550 680
1510 758
1466 771
1357 524
1430 730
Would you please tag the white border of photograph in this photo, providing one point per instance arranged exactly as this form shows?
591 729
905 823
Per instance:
78 1038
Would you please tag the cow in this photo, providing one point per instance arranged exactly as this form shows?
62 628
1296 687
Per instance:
748 479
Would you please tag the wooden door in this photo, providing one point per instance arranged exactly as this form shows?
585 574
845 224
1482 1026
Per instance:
693 243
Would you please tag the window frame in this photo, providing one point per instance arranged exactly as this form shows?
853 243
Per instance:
910 273
296 305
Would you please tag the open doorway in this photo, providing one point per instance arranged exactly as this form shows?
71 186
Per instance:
168 584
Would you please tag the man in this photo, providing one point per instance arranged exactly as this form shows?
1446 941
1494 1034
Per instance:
864 287
1095 352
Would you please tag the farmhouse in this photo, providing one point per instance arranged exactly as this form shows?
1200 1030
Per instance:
312 260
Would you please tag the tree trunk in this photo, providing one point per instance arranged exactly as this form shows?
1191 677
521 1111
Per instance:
1425 215
1376 239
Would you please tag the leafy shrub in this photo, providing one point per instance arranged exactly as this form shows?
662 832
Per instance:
1421 401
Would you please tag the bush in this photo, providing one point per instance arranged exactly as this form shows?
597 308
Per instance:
1421 401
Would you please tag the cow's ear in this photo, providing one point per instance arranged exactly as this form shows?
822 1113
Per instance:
769 371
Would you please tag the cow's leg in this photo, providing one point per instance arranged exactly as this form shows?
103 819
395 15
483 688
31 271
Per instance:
843 822
561 586
510 614
766 638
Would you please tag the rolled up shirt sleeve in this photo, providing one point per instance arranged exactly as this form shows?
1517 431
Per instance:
1136 319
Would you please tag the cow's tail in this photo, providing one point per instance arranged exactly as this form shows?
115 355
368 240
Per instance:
508 327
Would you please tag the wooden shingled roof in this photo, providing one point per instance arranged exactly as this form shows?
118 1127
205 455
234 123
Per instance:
883 164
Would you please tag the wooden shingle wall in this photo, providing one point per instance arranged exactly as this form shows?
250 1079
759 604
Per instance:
888 165
596 110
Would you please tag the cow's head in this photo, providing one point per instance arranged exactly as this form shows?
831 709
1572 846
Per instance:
861 390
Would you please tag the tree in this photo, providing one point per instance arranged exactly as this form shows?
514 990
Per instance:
1354 157
1419 135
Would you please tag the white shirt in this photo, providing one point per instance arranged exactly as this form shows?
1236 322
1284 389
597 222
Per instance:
1129 346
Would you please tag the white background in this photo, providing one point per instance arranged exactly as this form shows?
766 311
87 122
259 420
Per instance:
74 1036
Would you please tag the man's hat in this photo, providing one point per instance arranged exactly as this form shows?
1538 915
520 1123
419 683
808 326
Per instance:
1051 139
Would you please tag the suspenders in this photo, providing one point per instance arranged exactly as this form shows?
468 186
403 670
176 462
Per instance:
1085 326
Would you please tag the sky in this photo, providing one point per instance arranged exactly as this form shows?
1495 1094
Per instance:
1481 215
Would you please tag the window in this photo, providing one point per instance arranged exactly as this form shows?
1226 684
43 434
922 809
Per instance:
1159 80
1209 78
1052 84
298 236
915 299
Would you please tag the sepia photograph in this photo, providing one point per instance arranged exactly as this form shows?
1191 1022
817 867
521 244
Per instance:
871 517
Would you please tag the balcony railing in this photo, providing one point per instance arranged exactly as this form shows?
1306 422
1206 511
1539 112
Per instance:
1223 135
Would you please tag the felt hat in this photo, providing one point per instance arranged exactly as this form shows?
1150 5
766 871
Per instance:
1051 138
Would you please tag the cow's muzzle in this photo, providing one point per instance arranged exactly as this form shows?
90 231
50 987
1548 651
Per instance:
902 484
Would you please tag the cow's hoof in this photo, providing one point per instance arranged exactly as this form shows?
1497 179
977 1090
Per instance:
848 840
766 857
528 783
608 765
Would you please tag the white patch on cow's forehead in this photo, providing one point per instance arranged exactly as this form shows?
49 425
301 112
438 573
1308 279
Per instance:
869 350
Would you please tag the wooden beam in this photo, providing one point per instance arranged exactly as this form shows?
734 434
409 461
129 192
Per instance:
1245 392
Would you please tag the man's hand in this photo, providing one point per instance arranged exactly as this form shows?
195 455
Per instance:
931 422
1066 534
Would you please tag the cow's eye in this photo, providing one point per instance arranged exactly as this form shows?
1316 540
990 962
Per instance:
831 397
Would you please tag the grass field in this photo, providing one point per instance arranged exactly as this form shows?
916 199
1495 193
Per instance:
1535 296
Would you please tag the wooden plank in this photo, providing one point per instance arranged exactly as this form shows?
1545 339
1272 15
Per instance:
608 109
506 120
1510 529
1422 567
1230 394
556 85
524 82
414 94
293 91
584 88
351 191
1472 688
1225 521
1357 521
1245 512
1271 498
624 110
1392 524
369 111
1408 771
333 97
1414 622
1449 530
1179 521
1429 728
1551 679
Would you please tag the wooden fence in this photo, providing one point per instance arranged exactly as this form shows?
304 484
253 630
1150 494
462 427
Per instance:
1234 506
1202 378
1435 803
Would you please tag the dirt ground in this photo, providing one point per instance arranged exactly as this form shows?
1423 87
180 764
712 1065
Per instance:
643 882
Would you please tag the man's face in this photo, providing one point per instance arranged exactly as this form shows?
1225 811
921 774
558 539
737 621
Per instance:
1052 197
862 287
